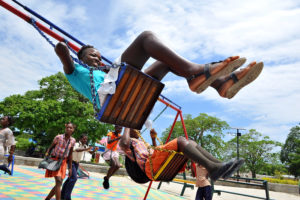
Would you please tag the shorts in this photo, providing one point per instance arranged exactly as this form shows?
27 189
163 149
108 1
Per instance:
158 157
109 154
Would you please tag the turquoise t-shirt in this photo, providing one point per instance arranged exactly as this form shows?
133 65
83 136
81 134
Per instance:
80 81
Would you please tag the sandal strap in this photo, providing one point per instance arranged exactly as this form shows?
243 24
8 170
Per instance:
206 71
234 77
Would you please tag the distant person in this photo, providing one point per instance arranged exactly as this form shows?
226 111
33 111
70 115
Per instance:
78 153
111 155
204 191
7 141
59 145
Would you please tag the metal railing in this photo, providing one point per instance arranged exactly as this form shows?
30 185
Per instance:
263 184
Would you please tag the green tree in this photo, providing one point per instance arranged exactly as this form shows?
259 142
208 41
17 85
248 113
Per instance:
43 113
290 152
273 165
204 129
255 148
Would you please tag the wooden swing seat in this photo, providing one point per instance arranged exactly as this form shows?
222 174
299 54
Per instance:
135 96
170 168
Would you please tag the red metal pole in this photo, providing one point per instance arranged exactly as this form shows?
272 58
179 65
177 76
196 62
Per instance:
183 126
145 197
168 104
41 26
173 125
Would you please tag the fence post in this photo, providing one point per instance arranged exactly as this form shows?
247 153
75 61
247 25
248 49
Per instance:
266 189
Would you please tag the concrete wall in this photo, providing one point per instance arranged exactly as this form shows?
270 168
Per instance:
19 160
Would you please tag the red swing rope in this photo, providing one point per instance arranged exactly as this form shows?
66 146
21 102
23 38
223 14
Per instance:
39 25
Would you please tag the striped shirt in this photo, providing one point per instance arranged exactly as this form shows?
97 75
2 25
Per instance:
141 152
60 146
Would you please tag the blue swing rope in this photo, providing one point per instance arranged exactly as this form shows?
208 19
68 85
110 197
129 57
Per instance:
91 69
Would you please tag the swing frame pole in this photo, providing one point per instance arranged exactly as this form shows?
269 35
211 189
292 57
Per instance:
179 113
43 28
39 25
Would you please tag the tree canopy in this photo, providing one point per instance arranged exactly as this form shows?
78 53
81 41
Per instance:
42 113
255 148
204 129
290 152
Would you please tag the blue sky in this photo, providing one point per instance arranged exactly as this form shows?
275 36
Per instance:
201 31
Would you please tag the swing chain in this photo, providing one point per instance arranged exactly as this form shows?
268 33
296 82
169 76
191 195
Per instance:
149 147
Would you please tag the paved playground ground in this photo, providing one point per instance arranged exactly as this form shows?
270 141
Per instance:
28 183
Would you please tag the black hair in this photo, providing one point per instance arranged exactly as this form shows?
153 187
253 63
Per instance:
82 136
74 126
10 120
134 170
80 53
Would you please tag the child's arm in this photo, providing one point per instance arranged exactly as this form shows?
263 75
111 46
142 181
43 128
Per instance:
125 140
50 148
63 53
112 140
70 159
153 135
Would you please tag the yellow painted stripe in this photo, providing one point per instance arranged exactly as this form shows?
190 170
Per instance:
184 181
164 165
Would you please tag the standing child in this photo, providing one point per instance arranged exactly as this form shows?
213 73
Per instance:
59 145
7 140
79 150
204 188
111 155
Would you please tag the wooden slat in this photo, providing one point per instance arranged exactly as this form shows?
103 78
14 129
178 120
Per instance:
129 86
137 102
132 94
133 100
148 102
172 169
115 97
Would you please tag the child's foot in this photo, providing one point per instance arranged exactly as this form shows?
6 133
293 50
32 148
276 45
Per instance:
105 183
5 169
221 170
236 166
238 79
200 81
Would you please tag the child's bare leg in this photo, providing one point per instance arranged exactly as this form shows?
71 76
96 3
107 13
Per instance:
157 70
53 190
114 167
147 45
51 193
191 150
58 184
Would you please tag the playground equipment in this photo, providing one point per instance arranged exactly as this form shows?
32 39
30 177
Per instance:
133 100
248 182
11 165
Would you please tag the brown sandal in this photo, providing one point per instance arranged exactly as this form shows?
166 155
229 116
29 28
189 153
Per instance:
209 78
253 72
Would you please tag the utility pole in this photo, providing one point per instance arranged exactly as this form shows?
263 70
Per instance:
238 134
